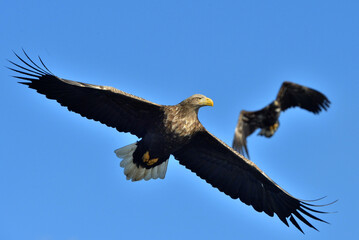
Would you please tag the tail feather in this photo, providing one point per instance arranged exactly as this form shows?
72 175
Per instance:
134 172
126 150
125 162
154 173
139 174
129 170
147 175
163 169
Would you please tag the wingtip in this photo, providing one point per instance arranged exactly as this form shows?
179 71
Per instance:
23 50
312 200
24 83
31 65
305 202
292 219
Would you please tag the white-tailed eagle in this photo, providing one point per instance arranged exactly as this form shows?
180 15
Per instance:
169 130
289 95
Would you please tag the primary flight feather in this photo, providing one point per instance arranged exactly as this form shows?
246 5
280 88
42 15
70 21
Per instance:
166 130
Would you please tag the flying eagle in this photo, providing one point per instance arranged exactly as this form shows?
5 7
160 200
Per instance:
289 95
166 130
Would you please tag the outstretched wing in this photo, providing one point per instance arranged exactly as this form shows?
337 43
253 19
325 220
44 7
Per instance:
108 105
293 95
247 123
238 177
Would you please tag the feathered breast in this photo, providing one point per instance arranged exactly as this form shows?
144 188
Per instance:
180 123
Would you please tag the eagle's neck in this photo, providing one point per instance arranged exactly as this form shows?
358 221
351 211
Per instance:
182 120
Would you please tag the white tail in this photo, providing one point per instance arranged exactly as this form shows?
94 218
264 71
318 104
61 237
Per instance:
135 173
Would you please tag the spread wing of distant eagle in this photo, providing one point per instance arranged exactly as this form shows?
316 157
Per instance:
289 95
166 130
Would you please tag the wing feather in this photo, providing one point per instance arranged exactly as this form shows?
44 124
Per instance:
295 95
238 177
247 123
108 105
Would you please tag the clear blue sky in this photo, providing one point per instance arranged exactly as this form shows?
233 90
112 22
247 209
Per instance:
59 177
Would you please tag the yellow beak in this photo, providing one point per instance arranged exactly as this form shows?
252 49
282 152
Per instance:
207 102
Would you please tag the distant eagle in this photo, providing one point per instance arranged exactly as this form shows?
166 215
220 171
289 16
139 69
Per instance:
289 95
164 131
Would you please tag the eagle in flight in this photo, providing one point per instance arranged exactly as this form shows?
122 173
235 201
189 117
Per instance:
289 95
166 130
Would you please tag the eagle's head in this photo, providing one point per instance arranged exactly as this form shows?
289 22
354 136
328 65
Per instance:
196 101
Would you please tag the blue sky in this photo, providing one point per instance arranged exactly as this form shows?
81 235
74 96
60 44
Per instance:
59 176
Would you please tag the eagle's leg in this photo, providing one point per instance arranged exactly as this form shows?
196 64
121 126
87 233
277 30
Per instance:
269 131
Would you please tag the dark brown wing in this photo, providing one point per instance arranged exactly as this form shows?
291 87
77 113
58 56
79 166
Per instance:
110 106
293 95
238 177
247 123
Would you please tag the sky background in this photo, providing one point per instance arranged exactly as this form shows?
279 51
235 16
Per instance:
59 177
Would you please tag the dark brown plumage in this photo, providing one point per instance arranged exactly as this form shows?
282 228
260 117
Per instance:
289 95
166 130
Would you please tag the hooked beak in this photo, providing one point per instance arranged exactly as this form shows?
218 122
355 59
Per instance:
207 102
